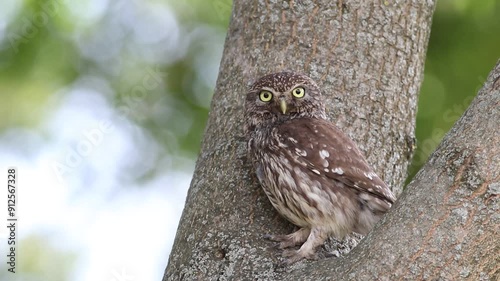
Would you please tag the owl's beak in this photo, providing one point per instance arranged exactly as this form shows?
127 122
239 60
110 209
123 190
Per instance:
283 106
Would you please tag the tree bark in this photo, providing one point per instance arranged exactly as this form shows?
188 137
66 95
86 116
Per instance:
368 58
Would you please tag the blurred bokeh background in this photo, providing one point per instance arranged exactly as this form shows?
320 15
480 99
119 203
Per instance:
103 105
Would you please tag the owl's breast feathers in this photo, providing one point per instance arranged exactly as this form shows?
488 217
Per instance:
312 159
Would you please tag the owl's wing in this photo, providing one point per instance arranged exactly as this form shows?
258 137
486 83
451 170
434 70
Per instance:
329 152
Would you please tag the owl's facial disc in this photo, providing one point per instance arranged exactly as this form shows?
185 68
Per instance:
282 96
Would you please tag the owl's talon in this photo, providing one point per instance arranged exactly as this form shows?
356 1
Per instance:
268 237
286 244
335 254
289 253
293 256
275 238
283 241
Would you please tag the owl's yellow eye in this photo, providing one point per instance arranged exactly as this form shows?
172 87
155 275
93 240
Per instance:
265 96
298 92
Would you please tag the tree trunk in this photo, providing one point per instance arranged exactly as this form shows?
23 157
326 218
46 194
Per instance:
367 58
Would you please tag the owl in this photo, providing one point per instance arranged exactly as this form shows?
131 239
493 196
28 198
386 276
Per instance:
313 174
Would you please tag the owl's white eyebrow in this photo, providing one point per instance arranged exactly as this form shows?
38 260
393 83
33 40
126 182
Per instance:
297 85
268 89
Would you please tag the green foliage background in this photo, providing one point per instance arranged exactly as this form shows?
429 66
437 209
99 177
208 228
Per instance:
40 56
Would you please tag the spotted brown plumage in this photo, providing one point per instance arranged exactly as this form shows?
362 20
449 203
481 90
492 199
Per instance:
312 173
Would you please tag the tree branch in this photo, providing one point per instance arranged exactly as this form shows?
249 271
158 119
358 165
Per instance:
445 226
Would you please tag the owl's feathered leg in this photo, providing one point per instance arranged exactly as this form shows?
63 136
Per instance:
290 240
308 250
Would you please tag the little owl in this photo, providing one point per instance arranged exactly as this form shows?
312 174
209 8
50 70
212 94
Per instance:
313 174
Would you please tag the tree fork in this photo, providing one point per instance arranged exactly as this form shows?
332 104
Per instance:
368 57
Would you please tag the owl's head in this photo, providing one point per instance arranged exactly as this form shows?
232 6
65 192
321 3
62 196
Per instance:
282 96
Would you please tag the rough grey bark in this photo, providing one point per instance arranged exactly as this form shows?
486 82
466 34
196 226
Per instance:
368 58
